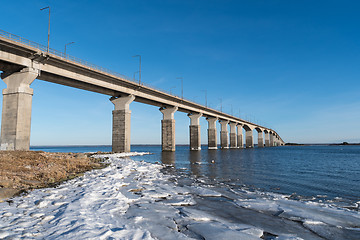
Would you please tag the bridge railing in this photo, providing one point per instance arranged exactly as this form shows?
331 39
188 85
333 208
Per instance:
22 40
58 53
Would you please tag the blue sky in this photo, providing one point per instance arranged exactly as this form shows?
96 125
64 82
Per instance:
289 65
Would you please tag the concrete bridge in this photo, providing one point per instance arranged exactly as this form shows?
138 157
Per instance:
22 61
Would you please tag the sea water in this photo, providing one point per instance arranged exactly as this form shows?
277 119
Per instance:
317 173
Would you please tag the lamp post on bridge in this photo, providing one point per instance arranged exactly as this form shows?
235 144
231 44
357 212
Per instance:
139 56
65 47
48 44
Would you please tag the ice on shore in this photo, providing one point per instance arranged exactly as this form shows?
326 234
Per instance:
310 212
135 200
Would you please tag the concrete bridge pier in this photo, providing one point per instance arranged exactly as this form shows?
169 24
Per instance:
275 140
240 143
224 135
195 142
212 134
121 123
260 138
271 139
267 138
16 111
168 128
233 137
249 138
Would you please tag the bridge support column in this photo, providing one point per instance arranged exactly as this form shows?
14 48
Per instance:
275 141
267 139
249 138
212 134
233 137
16 111
240 143
271 140
260 139
224 135
121 123
195 142
168 129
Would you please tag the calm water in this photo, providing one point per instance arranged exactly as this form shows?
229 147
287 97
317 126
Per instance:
318 173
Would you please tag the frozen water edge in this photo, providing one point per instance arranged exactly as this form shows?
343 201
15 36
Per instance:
135 200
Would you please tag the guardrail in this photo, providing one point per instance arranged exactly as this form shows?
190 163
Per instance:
59 53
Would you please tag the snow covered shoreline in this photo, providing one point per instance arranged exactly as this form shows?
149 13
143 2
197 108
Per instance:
135 200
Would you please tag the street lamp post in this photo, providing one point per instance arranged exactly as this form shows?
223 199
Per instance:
182 87
48 45
65 47
139 67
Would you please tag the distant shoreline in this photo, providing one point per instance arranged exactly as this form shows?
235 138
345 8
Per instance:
322 144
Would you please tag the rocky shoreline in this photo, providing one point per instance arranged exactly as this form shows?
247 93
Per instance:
22 171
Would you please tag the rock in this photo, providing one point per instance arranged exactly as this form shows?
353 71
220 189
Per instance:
7 192
136 190
81 156
31 183
6 183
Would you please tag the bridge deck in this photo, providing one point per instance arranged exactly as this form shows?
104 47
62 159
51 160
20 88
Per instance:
54 66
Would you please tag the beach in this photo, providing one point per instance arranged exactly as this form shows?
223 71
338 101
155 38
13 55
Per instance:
131 199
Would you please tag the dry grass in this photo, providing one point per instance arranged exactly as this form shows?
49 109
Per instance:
23 170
